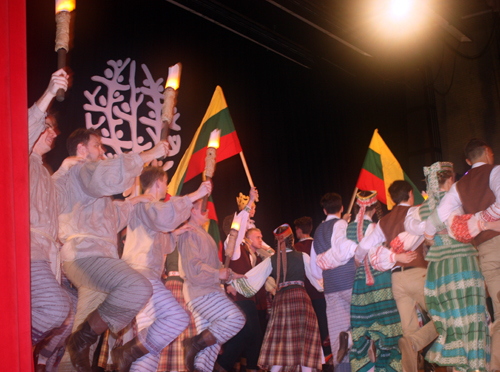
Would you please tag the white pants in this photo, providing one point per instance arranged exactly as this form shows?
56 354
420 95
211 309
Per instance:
50 304
338 314
160 322
217 313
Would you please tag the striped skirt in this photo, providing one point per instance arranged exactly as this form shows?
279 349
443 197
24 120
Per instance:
455 298
172 357
374 316
292 336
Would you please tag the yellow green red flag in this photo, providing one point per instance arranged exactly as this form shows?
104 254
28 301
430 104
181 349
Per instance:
193 160
380 169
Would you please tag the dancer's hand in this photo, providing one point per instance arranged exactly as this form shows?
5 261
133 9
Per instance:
140 199
231 290
406 257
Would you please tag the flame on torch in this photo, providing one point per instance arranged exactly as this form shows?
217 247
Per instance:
65 6
214 139
174 76
235 225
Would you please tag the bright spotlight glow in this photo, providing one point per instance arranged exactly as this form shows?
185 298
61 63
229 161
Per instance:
400 9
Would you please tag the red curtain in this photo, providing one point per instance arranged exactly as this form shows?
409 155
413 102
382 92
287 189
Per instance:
15 335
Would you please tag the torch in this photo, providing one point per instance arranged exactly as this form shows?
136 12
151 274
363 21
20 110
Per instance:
63 20
170 98
231 242
213 145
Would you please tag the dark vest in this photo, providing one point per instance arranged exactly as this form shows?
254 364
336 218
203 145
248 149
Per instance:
172 264
294 267
393 224
305 247
475 194
241 266
341 278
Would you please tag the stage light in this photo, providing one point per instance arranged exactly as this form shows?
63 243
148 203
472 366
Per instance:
400 9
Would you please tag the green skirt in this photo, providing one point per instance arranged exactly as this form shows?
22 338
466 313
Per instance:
455 297
374 316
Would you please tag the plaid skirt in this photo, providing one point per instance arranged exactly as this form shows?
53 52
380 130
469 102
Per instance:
172 357
374 316
292 336
455 297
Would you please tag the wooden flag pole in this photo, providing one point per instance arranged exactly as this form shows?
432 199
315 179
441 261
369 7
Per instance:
246 168
352 200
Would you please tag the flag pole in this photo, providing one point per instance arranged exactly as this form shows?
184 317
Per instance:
246 168
352 200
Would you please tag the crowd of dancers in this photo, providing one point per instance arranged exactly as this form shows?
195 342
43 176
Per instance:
347 299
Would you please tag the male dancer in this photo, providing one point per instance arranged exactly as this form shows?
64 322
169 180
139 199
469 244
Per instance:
249 339
50 304
110 293
217 318
408 275
338 281
478 192
162 319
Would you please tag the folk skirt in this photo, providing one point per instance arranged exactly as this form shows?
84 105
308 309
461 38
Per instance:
292 336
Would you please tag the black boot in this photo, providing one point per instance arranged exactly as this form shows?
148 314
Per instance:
125 355
194 345
85 336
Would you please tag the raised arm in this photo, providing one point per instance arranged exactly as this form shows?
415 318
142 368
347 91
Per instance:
36 113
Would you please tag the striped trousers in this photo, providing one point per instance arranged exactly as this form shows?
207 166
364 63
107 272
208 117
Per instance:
338 313
50 304
160 322
109 285
54 349
217 313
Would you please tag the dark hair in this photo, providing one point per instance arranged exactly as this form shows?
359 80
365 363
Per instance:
443 176
400 191
80 135
304 223
53 119
249 231
149 176
375 206
331 202
288 240
475 148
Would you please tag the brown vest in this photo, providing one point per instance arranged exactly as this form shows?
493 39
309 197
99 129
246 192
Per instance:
475 194
241 266
393 224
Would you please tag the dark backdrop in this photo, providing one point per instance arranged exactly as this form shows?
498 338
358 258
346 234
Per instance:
304 131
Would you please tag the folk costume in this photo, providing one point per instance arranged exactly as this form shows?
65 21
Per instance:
172 356
477 194
317 298
408 280
110 292
454 289
292 338
216 317
162 319
249 339
50 304
374 314
338 279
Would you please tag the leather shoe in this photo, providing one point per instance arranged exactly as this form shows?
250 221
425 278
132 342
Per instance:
343 346
125 355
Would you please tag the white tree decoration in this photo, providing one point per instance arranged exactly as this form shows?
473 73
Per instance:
113 112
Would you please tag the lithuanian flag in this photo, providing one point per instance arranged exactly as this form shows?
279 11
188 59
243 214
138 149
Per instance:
193 161
380 169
